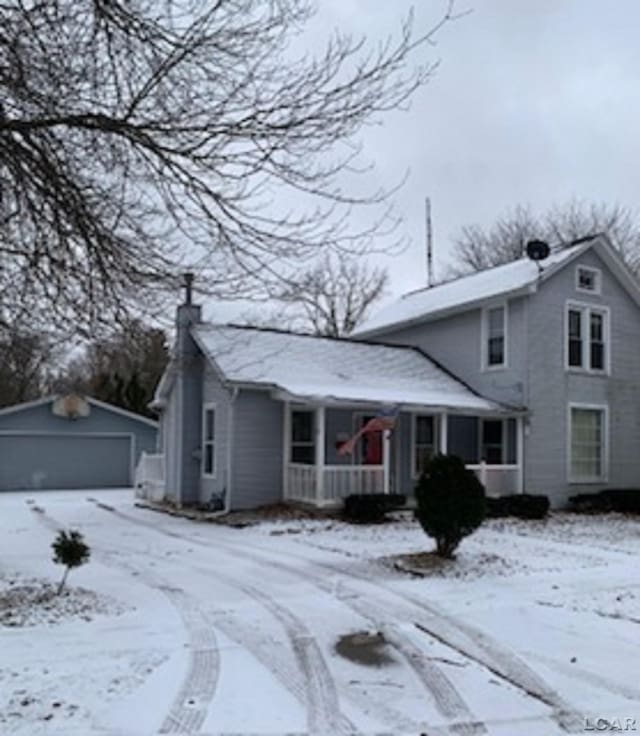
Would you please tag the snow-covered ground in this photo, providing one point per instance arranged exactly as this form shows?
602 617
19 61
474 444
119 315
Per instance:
183 627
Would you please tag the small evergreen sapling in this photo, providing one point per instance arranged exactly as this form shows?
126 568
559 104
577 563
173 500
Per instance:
69 550
451 502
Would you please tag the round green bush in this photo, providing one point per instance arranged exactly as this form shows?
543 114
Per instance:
451 502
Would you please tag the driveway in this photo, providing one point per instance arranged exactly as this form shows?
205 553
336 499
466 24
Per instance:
306 627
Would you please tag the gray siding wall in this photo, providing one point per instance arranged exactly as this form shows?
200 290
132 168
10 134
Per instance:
257 450
456 342
213 392
552 387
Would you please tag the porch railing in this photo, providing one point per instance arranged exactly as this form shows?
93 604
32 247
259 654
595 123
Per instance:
338 481
498 480
301 482
149 477
343 480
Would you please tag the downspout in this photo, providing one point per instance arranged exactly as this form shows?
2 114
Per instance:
230 430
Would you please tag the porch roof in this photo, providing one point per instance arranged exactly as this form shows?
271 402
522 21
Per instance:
332 370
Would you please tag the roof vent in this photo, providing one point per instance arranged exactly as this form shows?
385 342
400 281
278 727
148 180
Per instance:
538 250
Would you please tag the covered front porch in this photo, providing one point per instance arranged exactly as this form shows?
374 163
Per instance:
391 461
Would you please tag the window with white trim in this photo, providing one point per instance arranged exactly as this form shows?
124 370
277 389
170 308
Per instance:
303 447
587 337
588 279
209 441
424 441
495 335
588 444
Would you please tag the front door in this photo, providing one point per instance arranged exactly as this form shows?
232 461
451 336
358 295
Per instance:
369 448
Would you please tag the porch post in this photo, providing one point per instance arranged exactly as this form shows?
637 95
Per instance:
444 431
386 460
320 453
520 453
286 448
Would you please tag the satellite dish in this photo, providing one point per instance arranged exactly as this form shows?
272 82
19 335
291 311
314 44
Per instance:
538 250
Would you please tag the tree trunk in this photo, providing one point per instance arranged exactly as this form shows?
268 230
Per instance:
63 581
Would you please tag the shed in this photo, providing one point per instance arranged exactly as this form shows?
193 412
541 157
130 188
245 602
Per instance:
71 443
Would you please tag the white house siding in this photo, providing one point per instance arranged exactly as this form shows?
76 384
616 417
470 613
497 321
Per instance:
213 392
257 450
552 388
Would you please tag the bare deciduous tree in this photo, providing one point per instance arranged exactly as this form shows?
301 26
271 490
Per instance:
333 297
477 248
24 366
139 138
122 369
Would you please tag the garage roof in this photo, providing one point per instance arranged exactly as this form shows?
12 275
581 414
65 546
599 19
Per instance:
94 402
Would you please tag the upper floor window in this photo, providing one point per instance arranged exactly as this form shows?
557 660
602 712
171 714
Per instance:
302 437
209 441
587 337
495 337
588 279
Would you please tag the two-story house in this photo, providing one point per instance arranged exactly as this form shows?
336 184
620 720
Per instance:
562 340
531 373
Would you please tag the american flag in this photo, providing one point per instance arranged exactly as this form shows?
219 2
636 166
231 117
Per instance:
385 420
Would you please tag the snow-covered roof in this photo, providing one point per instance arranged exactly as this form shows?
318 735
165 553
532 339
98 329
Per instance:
306 367
468 291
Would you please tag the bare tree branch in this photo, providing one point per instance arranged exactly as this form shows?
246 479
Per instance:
330 298
477 248
140 138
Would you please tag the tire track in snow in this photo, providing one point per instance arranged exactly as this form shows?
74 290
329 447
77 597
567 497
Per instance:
324 715
190 706
438 686
476 645
467 640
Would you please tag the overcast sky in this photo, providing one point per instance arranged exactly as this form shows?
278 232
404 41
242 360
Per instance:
534 102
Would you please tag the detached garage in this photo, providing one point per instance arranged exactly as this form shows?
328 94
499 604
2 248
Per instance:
71 442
